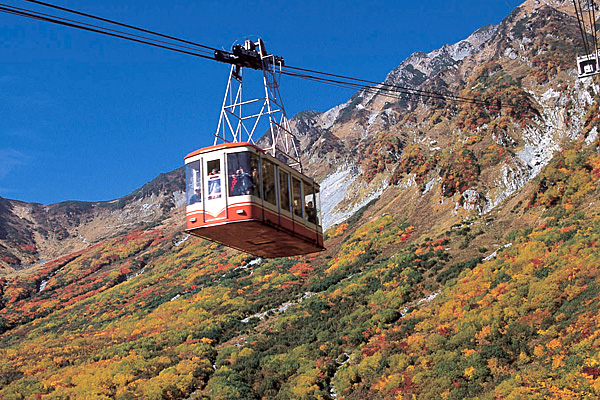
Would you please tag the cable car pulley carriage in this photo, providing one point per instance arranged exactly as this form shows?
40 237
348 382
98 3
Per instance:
241 195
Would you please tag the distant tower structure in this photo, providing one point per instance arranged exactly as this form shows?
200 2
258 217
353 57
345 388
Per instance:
587 65
241 118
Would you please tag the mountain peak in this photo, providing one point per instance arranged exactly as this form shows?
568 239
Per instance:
565 6
31 233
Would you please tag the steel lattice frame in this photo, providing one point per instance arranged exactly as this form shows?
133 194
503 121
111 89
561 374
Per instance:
235 126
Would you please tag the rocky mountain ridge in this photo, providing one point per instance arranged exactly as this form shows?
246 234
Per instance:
372 113
534 33
32 233
375 143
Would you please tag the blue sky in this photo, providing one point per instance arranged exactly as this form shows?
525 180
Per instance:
88 117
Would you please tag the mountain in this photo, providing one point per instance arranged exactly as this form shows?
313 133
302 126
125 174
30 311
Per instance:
509 63
32 233
462 256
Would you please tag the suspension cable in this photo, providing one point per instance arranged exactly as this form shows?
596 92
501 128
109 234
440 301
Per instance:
387 89
590 5
119 23
581 23
18 11
392 92
395 88
41 17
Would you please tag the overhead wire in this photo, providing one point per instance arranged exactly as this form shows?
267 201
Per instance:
398 88
346 85
38 16
581 23
594 24
590 5
24 12
69 10
200 50
387 92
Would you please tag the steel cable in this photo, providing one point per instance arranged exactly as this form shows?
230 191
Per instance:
390 90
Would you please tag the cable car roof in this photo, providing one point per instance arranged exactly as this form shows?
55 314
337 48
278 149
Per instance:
223 146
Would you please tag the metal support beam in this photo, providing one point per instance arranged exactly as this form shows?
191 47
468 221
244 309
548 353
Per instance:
241 118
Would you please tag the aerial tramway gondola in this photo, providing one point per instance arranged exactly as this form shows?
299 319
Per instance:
241 195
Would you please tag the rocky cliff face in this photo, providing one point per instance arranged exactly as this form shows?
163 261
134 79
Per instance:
34 233
527 63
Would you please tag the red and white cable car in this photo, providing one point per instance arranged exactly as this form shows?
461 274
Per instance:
240 195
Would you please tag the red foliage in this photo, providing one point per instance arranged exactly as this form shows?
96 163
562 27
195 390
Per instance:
593 371
303 270
444 331
414 162
29 248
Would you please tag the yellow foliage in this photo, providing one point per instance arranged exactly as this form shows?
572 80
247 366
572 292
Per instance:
591 362
553 344
483 334
369 365
381 384
524 358
572 291
468 352
246 352
469 372
558 361
123 379
338 231
539 351
304 386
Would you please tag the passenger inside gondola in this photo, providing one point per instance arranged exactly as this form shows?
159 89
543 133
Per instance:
234 184
246 183
194 181
196 197
311 212
214 183
241 181
297 197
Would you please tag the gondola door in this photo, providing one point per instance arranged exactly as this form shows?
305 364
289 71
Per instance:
215 204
